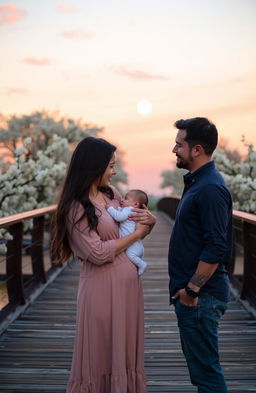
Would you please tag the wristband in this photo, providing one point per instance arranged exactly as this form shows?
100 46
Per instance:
191 293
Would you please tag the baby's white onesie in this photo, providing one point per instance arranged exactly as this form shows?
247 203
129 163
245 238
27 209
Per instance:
136 251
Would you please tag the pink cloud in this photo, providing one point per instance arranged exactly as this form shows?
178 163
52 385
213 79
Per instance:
78 34
10 13
61 7
138 74
37 62
15 90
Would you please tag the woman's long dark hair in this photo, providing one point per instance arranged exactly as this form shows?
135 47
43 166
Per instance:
88 163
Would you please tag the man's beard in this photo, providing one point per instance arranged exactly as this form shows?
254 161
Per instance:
184 164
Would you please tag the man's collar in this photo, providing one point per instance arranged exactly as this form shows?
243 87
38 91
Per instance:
190 178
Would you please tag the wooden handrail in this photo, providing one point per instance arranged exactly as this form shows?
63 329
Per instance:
248 217
10 220
21 285
18 291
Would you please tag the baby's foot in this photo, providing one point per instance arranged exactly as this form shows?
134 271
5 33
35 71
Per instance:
142 267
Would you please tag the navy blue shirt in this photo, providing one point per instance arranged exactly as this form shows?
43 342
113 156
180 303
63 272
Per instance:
202 232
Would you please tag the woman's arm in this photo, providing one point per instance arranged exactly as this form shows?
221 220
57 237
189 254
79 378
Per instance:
143 216
87 244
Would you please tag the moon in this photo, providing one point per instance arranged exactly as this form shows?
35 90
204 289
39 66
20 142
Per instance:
144 107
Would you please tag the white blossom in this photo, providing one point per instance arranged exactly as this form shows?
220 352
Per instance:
38 147
27 141
29 184
19 151
240 178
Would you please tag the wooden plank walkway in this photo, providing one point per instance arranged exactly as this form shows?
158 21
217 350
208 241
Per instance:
36 350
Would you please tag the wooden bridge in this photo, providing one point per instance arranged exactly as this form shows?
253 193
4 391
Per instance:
36 347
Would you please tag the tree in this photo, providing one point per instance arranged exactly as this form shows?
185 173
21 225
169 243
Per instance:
232 154
174 180
240 178
37 148
239 175
121 176
31 183
41 127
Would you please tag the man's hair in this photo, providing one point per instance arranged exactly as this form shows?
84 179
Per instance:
141 196
200 131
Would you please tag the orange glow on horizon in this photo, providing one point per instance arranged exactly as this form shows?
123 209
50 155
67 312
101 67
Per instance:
96 61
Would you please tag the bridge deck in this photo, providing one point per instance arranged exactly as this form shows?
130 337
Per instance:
36 349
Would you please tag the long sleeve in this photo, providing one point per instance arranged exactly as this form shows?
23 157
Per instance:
87 244
119 215
213 206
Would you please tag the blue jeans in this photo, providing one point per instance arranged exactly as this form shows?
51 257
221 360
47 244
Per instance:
199 340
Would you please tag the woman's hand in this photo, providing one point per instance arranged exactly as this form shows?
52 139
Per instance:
143 216
142 230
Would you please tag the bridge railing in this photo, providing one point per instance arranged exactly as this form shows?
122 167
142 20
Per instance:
243 265
26 264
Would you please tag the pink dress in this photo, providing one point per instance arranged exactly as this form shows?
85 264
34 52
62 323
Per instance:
109 344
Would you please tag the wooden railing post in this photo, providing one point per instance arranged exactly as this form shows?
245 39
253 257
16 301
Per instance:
249 275
15 287
37 251
21 285
231 267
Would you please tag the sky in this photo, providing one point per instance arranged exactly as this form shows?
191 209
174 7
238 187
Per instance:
95 60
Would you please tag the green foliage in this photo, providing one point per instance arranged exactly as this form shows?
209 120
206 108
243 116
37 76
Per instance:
173 179
152 202
121 176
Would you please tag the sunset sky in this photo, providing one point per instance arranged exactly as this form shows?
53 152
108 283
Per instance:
97 59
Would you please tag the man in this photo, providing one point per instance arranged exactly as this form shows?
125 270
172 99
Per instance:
200 250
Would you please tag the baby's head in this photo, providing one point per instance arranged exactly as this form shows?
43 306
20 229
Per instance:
135 198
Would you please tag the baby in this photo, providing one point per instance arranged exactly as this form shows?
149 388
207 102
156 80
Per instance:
133 198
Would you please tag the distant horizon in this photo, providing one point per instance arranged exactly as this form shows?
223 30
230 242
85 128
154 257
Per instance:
136 179
98 60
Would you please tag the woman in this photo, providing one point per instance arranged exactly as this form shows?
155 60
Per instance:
109 344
